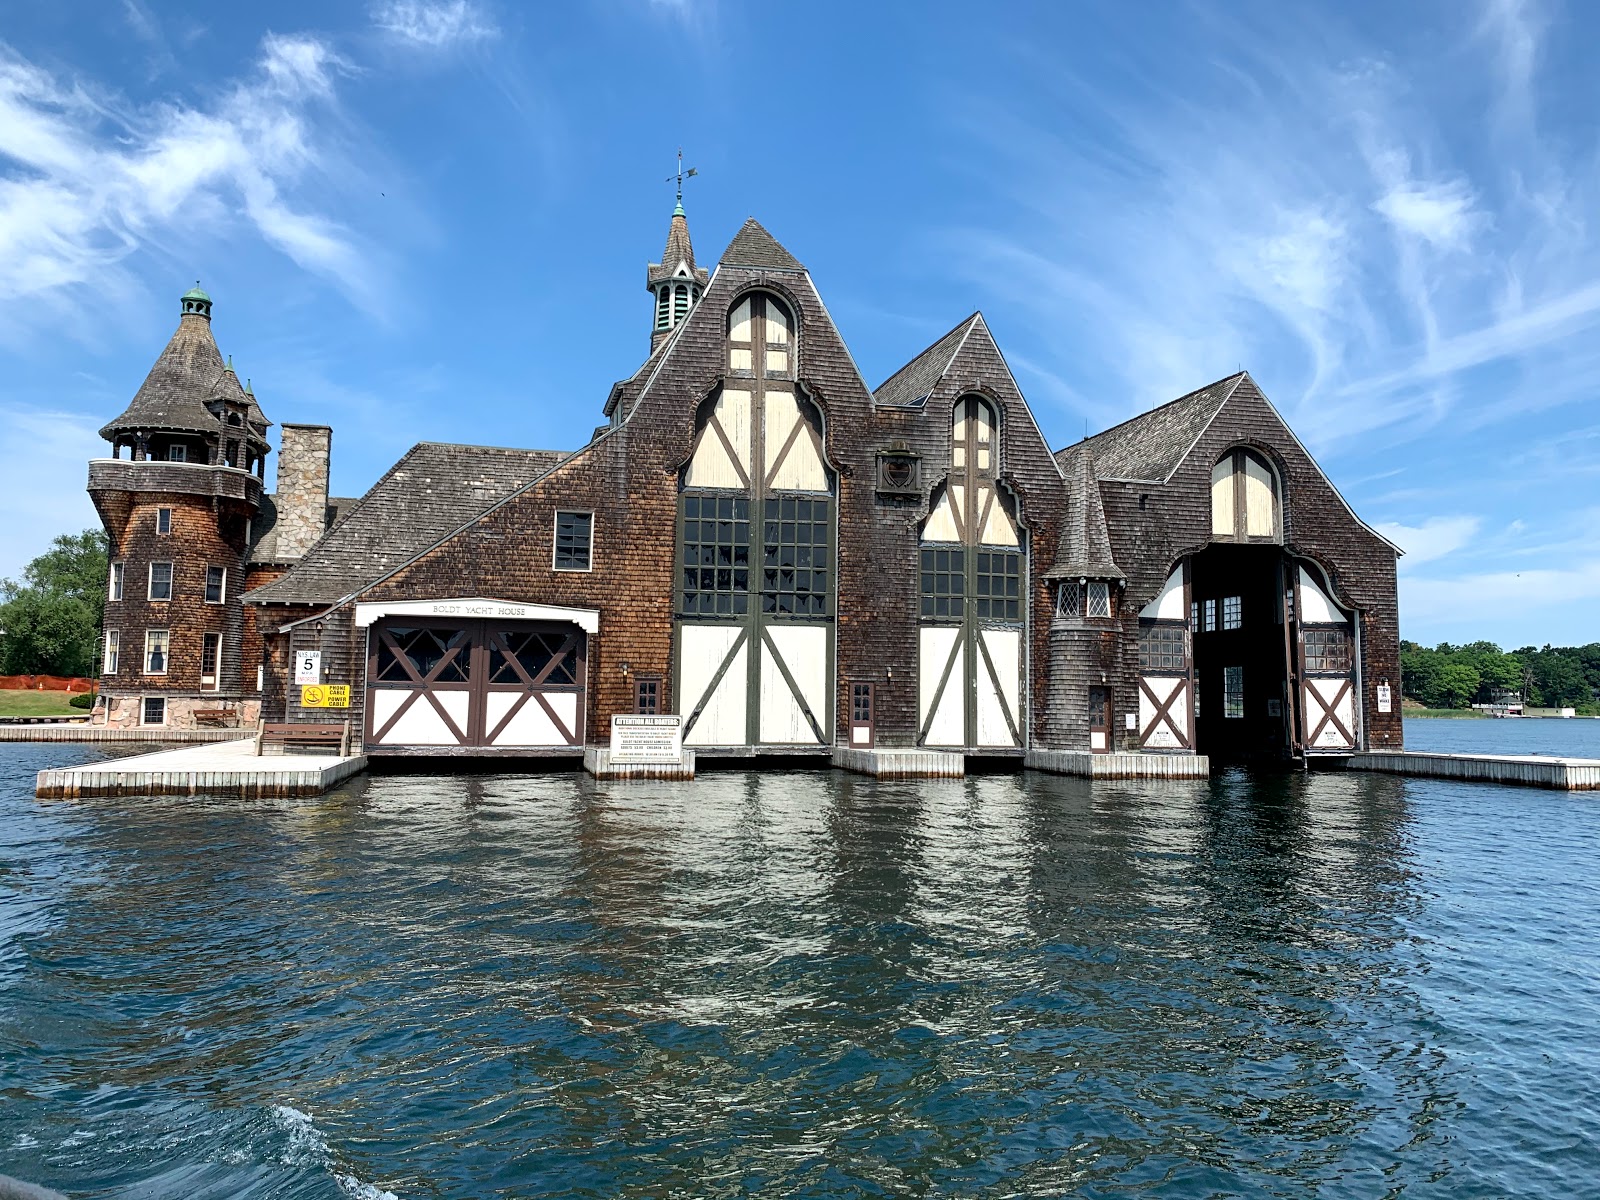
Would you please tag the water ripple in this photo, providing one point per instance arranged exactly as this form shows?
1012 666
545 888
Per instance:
800 985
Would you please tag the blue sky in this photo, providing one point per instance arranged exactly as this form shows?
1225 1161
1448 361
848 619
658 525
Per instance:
429 219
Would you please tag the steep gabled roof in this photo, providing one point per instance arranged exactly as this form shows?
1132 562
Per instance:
1085 549
910 386
753 246
1151 445
435 489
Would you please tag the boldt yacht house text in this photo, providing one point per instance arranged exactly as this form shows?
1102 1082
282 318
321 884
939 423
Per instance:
792 562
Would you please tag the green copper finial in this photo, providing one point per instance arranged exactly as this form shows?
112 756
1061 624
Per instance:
230 364
680 177
248 390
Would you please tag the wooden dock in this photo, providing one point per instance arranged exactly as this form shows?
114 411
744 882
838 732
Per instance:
84 732
890 762
229 768
1528 770
1119 766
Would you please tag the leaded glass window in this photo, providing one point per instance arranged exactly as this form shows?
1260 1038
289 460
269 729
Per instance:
1162 649
997 582
1069 599
716 555
1099 598
794 544
943 582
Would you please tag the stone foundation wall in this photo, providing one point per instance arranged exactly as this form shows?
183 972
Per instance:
122 712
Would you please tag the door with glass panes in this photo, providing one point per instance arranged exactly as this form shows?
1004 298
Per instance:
754 598
970 642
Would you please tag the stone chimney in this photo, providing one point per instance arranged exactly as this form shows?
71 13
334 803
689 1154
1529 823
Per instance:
302 487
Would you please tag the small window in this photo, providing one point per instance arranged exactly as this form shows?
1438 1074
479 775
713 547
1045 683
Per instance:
177 454
1210 616
1069 599
153 711
1099 598
647 695
1233 692
1328 651
163 520
155 652
1161 649
574 540
216 585
108 662
1232 612
160 581
1194 616
210 661
115 591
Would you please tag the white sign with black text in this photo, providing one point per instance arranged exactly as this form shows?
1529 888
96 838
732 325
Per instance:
308 666
1385 703
647 739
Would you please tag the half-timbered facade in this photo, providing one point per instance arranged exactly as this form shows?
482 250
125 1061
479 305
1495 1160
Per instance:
795 562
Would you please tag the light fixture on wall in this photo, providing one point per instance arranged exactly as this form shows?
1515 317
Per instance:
624 666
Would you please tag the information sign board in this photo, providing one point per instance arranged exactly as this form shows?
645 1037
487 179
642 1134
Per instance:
647 739
1385 702
325 695
308 666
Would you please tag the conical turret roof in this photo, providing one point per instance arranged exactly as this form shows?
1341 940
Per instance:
189 373
1085 549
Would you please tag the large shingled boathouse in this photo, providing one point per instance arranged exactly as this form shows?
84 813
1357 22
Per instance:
793 562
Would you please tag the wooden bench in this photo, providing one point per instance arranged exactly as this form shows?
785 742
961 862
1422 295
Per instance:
303 737
225 717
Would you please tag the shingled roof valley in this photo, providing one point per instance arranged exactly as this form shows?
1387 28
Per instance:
1150 446
433 490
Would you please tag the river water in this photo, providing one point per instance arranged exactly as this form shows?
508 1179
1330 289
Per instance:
802 985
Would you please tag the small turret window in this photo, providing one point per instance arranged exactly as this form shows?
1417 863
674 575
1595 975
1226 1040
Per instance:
680 303
663 308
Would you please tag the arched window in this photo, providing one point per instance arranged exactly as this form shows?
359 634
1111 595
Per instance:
973 436
663 308
680 303
760 329
1246 501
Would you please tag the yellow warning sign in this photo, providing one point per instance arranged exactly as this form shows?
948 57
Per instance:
325 695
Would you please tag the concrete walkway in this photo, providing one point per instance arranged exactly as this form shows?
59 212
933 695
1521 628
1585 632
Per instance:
1526 770
225 768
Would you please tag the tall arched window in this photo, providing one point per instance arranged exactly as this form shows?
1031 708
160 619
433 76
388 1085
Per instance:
663 308
680 303
760 329
1246 501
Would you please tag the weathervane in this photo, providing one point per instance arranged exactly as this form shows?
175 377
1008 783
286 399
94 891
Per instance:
682 175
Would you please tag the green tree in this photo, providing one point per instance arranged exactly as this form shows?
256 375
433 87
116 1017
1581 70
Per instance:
52 619
1457 684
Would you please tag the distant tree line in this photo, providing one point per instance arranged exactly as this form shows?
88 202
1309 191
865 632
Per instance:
50 621
1459 676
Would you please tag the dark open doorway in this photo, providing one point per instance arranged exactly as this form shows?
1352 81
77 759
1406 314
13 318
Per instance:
1241 654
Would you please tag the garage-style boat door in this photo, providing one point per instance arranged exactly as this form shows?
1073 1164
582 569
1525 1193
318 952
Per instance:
506 686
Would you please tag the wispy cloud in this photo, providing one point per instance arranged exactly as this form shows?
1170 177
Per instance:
87 180
434 24
1435 538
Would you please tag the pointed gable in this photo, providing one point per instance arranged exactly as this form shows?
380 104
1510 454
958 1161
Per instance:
912 384
753 246
1085 547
